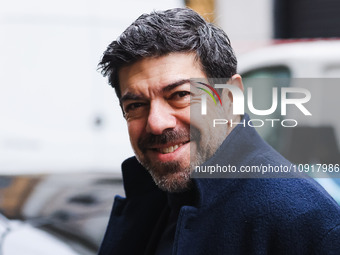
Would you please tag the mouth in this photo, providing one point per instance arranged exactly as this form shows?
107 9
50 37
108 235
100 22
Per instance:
169 149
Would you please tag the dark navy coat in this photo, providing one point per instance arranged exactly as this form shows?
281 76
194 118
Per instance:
230 216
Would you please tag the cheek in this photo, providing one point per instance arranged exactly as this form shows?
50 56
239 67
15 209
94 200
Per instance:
184 115
135 129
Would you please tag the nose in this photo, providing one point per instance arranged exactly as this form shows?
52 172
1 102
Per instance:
160 118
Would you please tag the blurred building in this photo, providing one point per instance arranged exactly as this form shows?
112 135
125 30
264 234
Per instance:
251 24
306 19
57 112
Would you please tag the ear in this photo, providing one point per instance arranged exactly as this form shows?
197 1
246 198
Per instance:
228 101
235 80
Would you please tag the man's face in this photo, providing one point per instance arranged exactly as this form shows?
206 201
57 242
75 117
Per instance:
156 103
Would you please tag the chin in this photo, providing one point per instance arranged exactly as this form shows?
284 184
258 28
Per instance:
174 183
171 176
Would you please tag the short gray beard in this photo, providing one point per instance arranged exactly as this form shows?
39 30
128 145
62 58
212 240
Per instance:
170 177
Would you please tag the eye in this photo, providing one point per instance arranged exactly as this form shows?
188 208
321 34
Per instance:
180 99
135 110
179 95
133 106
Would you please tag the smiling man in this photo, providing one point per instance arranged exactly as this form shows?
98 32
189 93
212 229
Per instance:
154 66
156 99
156 103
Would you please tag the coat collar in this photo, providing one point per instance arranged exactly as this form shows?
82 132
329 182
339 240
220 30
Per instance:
242 140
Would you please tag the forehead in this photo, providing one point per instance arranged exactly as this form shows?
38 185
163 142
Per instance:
157 72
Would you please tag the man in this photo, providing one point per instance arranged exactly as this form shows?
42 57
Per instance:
152 66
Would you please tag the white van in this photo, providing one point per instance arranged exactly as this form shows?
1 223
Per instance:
57 113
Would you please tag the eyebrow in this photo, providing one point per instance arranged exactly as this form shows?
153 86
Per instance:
132 96
175 84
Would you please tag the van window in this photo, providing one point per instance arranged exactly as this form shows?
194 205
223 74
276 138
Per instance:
269 72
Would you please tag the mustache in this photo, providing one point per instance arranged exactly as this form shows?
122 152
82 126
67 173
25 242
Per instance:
168 136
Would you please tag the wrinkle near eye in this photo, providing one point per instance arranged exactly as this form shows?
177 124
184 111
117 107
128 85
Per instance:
179 95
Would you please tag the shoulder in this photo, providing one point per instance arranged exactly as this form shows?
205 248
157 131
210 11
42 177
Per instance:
299 206
288 194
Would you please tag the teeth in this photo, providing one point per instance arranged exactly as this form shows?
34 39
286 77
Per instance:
169 149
